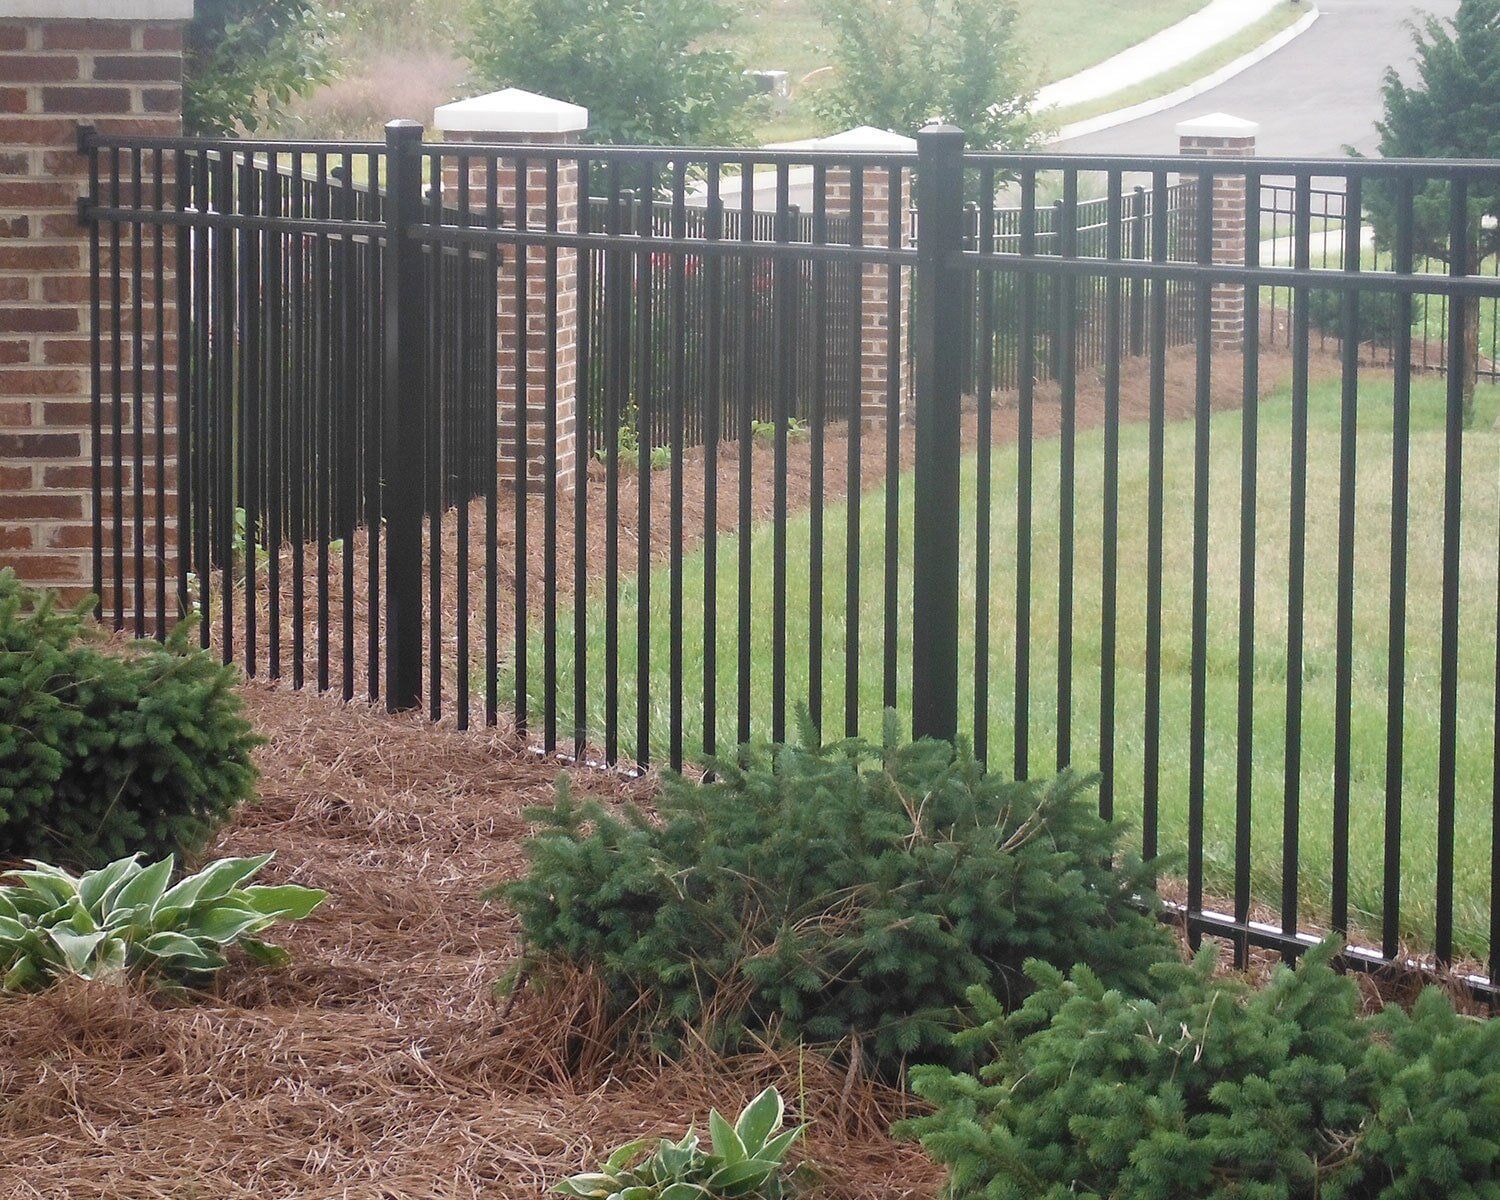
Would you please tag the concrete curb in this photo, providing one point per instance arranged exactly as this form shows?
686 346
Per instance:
1165 50
1161 103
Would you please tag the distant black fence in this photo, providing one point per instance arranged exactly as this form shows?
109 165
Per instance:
667 298
1090 300
1328 248
1268 619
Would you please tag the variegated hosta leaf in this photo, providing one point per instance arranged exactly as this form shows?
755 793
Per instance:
124 917
744 1161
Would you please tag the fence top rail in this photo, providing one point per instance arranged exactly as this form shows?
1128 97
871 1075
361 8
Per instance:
1447 168
93 138
722 156
1028 162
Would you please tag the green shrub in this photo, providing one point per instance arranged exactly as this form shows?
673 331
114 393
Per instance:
745 1161
830 891
1212 1090
124 919
1377 315
107 752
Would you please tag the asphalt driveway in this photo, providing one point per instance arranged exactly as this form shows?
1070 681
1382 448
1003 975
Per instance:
1312 98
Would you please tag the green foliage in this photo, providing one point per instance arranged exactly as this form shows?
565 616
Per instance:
1377 315
764 432
1451 110
650 72
244 60
124 919
1212 1090
745 1161
829 891
900 66
106 753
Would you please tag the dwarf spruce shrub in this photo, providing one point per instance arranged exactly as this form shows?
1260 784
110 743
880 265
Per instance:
829 891
1212 1090
106 753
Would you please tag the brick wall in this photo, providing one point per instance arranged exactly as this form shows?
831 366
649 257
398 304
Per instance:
539 334
875 284
1224 138
123 76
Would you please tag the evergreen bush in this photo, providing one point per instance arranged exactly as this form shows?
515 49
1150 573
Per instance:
829 891
108 752
1377 315
1213 1090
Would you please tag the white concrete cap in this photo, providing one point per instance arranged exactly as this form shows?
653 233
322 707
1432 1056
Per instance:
99 10
511 110
1218 125
861 137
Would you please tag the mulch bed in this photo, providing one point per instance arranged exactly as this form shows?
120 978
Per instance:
380 1063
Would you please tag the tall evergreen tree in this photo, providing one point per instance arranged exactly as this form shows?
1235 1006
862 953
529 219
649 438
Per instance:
1451 110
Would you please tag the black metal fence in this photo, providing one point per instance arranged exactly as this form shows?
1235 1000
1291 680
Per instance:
746 333
1090 299
1329 246
1264 606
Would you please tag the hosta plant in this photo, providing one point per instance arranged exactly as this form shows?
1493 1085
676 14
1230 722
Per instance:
743 1161
125 919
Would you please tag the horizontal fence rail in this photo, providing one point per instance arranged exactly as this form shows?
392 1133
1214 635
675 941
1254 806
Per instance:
1184 469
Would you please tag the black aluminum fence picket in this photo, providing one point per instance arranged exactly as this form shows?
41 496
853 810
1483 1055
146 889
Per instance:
1216 584
1380 327
687 276
1266 596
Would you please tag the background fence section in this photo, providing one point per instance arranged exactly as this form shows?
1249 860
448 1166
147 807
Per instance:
565 444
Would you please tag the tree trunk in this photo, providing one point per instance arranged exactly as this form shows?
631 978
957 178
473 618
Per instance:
1471 355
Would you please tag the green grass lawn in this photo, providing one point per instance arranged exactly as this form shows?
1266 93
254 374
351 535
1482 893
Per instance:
1481 516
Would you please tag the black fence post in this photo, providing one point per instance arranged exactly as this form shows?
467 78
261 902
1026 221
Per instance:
404 416
938 324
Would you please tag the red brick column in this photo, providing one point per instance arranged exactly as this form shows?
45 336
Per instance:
116 64
875 287
1223 136
515 117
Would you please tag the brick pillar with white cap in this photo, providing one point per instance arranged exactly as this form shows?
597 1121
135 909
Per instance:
115 65
515 117
1219 135
875 340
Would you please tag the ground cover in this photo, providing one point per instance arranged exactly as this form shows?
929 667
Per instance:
380 1063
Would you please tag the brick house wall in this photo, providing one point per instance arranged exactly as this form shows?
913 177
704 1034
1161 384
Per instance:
115 64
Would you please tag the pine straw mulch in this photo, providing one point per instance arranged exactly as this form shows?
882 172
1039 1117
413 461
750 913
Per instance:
379 1064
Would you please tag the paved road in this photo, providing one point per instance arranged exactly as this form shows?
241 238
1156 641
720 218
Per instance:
1312 98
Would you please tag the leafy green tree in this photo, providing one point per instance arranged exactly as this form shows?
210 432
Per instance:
244 60
1451 110
900 66
650 72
